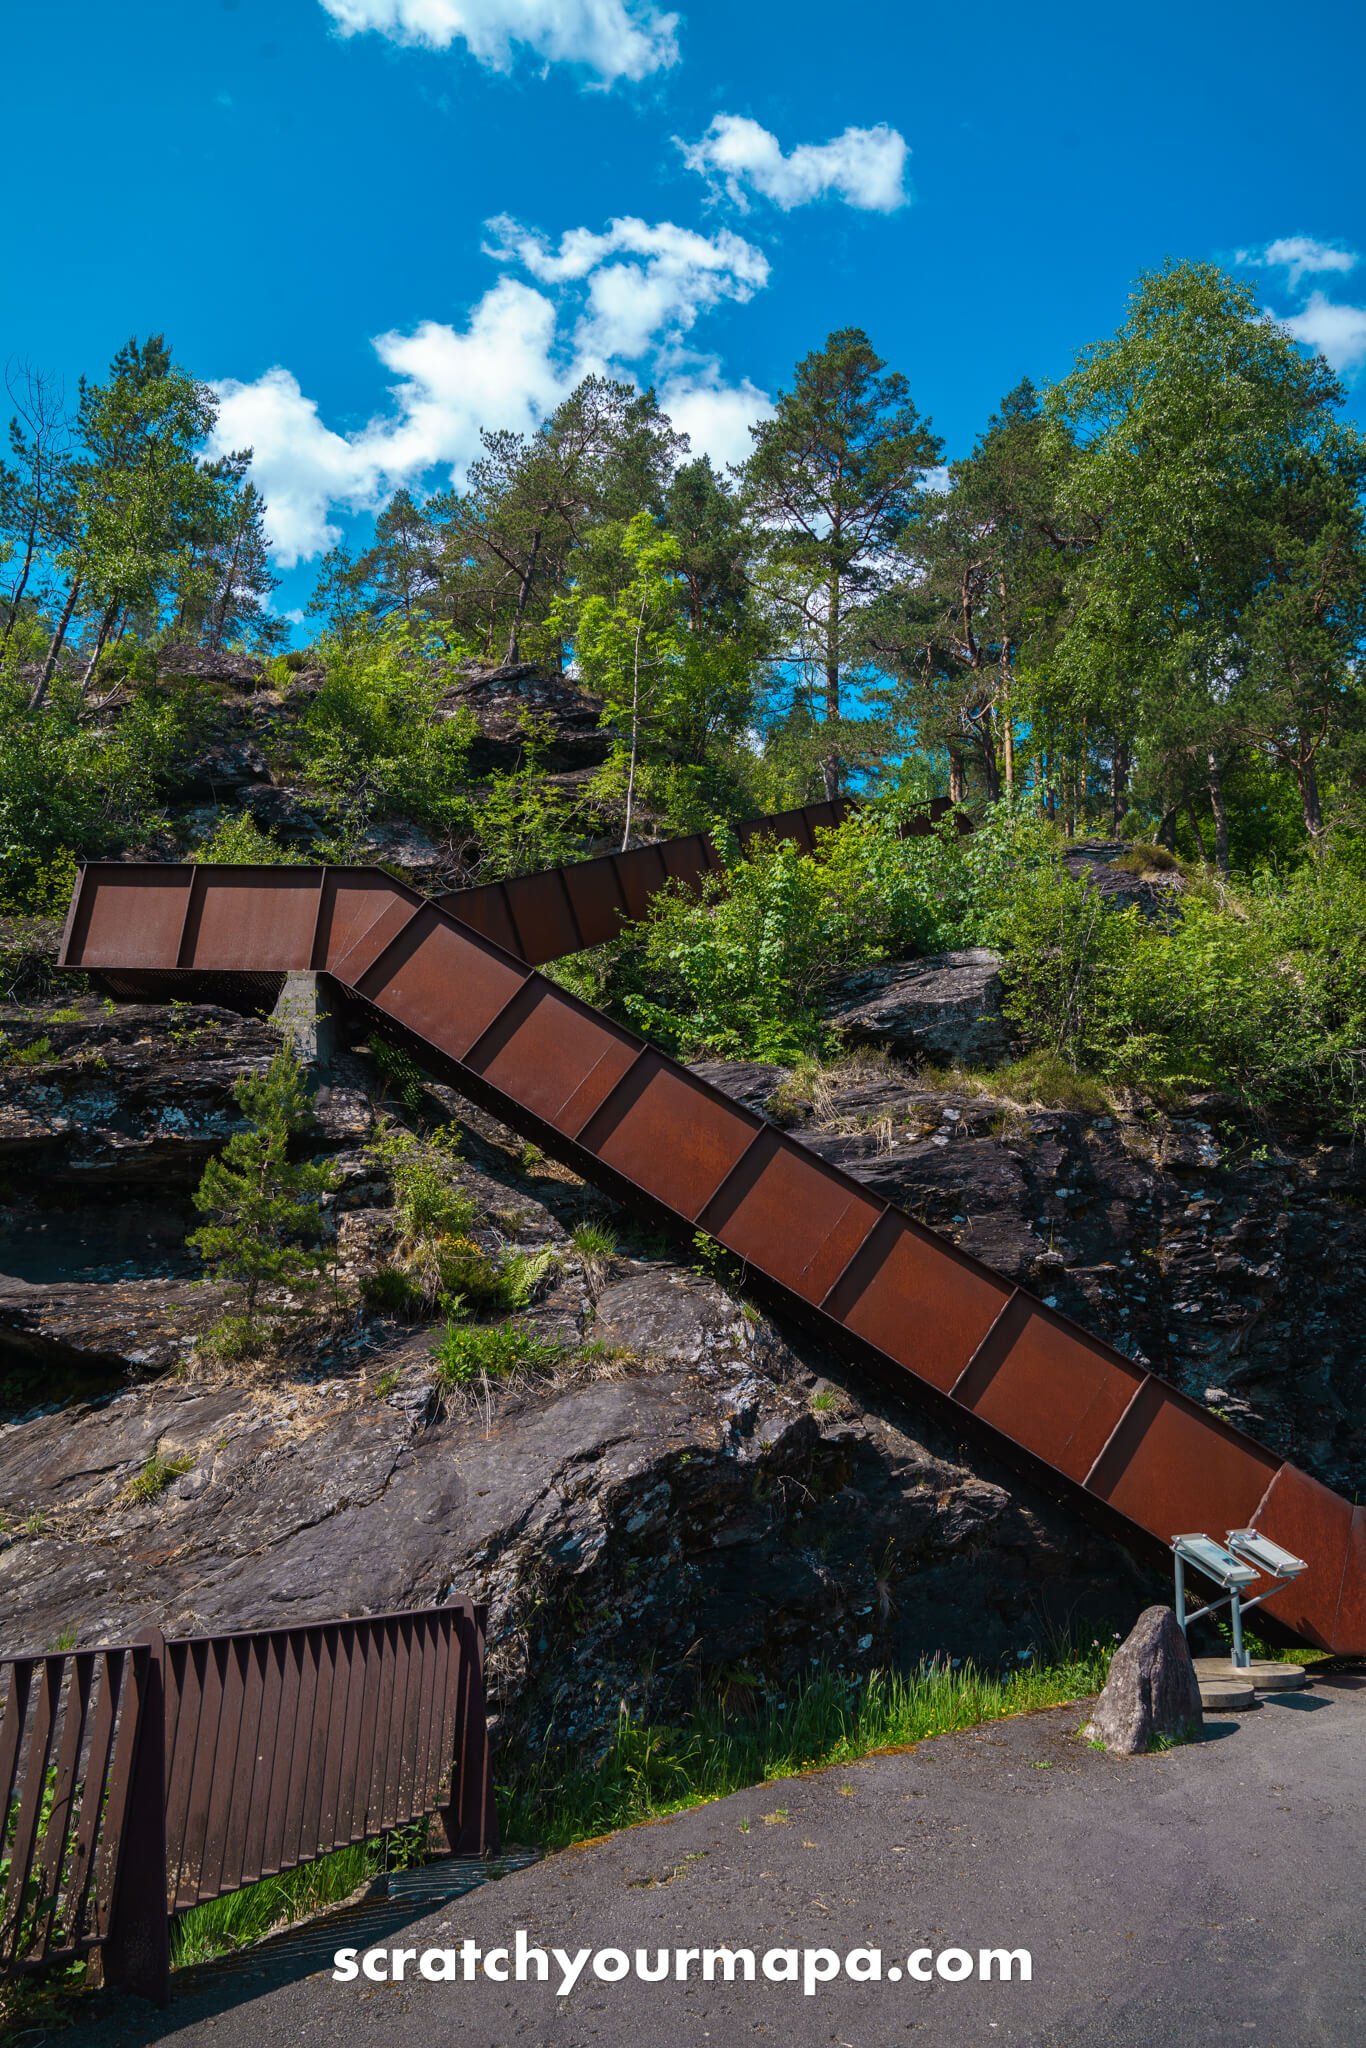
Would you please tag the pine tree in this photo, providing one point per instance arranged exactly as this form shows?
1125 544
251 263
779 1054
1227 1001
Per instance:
833 481
264 1209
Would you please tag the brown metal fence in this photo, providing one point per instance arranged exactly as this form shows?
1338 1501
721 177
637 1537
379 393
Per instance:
142 1779
564 910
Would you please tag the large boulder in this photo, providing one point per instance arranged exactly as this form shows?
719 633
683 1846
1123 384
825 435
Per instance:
946 1010
1152 1691
1147 878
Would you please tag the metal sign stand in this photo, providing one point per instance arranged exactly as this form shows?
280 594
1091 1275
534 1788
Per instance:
1247 1558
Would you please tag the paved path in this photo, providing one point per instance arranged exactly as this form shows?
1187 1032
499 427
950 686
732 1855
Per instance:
1208 1895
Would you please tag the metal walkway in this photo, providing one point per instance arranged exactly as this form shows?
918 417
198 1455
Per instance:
451 980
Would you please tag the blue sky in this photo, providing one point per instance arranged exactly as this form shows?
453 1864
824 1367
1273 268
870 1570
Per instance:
379 224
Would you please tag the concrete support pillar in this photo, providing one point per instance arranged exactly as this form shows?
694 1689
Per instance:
306 1017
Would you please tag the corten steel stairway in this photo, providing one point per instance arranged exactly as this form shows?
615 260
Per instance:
451 980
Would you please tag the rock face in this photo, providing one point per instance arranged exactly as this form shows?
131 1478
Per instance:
1144 880
945 1010
505 701
1151 1692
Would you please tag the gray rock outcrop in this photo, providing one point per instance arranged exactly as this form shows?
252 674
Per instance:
945 1010
1151 1692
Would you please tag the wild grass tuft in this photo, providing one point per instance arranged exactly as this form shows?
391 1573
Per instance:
593 1242
155 1476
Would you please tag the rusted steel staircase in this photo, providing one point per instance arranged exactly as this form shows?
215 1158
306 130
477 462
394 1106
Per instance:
451 979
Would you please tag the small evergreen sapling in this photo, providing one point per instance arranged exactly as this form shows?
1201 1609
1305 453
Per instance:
265 1225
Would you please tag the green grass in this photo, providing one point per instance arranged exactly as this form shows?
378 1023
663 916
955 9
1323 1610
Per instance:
246 1916
155 1476
650 1769
593 1241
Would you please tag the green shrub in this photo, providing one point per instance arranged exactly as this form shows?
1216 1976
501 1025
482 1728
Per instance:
238 841
376 741
428 1200
743 972
471 1352
1258 991
264 1212
71 785
392 1291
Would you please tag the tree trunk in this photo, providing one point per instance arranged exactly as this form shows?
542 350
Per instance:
1119 785
991 773
1306 774
958 786
514 651
220 610
1166 829
55 647
107 619
1216 797
16 595
635 732
1198 836
1003 696
831 765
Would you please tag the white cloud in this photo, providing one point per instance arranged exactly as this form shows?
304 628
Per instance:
1338 332
612 38
501 371
615 300
1300 256
301 467
866 167
714 415
646 282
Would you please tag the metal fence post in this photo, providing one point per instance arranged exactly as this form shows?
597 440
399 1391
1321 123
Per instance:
137 1948
471 1821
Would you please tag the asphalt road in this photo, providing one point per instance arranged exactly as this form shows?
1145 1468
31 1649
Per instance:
1208 1895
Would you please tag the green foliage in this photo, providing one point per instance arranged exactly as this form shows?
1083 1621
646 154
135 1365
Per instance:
402 1073
72 785
428 1200
1261 993
154 1478
624 617
831 483
392 1291
521 1275
35 1054
238 841
523 822
470 1353
378 740
741 973
264 1209
439 1262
